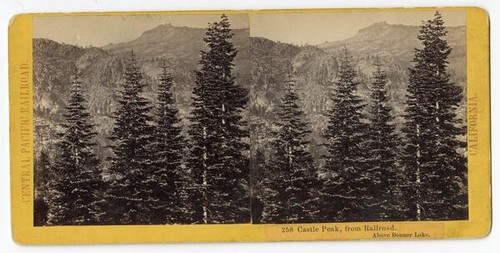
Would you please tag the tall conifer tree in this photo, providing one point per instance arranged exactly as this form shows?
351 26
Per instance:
166 156
344 192
217 159
385 186
289 196
130 195
74 191
434 165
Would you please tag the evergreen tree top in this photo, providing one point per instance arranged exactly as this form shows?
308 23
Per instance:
293 128
165 68
221 28
165 95
290 83
75 84
221 53
435 49
379 75
377 63
346 72
133 74
289 106
76 111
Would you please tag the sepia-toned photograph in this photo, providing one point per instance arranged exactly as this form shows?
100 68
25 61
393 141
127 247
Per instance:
260 118
358 116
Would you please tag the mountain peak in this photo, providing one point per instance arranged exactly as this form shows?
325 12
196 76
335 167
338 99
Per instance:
382 23
159 29
384 31
377 27
164 26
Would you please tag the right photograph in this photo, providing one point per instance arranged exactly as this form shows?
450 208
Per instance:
358 116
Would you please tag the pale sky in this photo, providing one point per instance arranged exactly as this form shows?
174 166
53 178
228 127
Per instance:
317 27
106 29
296 28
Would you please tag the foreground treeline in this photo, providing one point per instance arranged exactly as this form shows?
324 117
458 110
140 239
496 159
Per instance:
372 171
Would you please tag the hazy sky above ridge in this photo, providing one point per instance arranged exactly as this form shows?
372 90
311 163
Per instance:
317 27
298 28
105 29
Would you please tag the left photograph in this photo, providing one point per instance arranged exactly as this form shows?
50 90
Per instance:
141 119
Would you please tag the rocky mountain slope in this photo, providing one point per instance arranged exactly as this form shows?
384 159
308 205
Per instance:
396 43
315 67
261 66
101 72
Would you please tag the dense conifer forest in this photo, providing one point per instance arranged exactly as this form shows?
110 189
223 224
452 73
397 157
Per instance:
224 153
